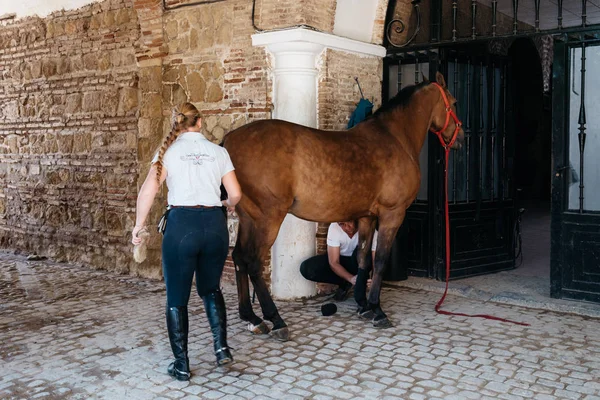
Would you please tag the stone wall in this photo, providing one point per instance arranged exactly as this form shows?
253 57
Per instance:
68 134
86 97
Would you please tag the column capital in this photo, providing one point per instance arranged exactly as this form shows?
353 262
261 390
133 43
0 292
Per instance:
289 39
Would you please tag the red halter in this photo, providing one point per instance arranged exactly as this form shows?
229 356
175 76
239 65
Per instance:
449 113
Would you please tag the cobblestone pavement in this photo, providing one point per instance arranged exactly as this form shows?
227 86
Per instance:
69 332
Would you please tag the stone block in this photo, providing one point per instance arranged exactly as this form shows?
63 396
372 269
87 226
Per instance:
150 127
36 69
90 61
91 101
151 105
65 143
171 29
108 20
110 101
209 123
214 93
151 79
73 103
128 100
104 61
196 86
178 95
122 17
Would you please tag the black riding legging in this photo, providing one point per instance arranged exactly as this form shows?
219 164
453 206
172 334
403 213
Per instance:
196 240
317 269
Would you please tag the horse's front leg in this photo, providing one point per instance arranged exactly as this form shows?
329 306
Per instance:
388 227
366 227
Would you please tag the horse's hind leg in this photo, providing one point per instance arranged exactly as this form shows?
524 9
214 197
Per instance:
242 255
265 234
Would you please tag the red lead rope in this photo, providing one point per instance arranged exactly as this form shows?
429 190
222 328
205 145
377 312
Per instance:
438 306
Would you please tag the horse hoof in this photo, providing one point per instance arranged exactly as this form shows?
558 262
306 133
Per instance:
382 323
260 329
365 313
282 334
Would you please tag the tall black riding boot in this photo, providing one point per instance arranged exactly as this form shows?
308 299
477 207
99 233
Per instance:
177 325
214 304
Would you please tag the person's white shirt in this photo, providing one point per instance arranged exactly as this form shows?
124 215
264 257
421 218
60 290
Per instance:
195 167
336 237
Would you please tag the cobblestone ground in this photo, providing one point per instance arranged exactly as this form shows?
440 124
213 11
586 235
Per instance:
69 332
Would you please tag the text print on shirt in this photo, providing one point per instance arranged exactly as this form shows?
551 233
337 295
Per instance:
197 158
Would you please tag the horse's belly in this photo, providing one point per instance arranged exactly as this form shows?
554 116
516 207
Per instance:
326 210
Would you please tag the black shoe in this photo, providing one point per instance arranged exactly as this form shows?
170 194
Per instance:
177 325
214 305
342 292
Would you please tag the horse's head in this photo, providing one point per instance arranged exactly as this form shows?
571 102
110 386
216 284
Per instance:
445 123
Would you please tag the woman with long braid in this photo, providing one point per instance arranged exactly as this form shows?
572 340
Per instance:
196 239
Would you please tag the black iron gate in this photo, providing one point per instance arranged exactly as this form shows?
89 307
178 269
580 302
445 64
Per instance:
455 37
575 270
480 188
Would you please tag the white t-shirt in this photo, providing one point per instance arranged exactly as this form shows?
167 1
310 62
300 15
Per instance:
336 237
195 167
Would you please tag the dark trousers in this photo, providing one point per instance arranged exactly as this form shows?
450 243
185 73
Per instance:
317 269
196 241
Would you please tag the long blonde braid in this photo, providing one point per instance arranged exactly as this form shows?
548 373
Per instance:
183 117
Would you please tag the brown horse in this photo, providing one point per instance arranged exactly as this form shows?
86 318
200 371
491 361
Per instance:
367 173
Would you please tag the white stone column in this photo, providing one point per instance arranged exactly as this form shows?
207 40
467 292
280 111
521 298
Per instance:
296 52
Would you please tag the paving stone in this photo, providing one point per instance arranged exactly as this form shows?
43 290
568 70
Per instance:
92 334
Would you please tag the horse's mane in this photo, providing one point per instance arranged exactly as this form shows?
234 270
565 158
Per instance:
401 99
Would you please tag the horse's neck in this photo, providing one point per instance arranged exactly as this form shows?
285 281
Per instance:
411 123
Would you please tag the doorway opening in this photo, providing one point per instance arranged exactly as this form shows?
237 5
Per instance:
532 165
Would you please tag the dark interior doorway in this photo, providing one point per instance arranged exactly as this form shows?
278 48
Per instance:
533 140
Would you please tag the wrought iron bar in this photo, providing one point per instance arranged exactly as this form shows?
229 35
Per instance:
467 128
583 12
537 15
560 12
591 37
493 132
473 18
515 4
581 136
455 153
400 29
504 177
480 130
494 13
399 83
454 15
416 67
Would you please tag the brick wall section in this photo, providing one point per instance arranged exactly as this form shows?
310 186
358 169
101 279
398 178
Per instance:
379 23
275 14
68 130
338 92
320 14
